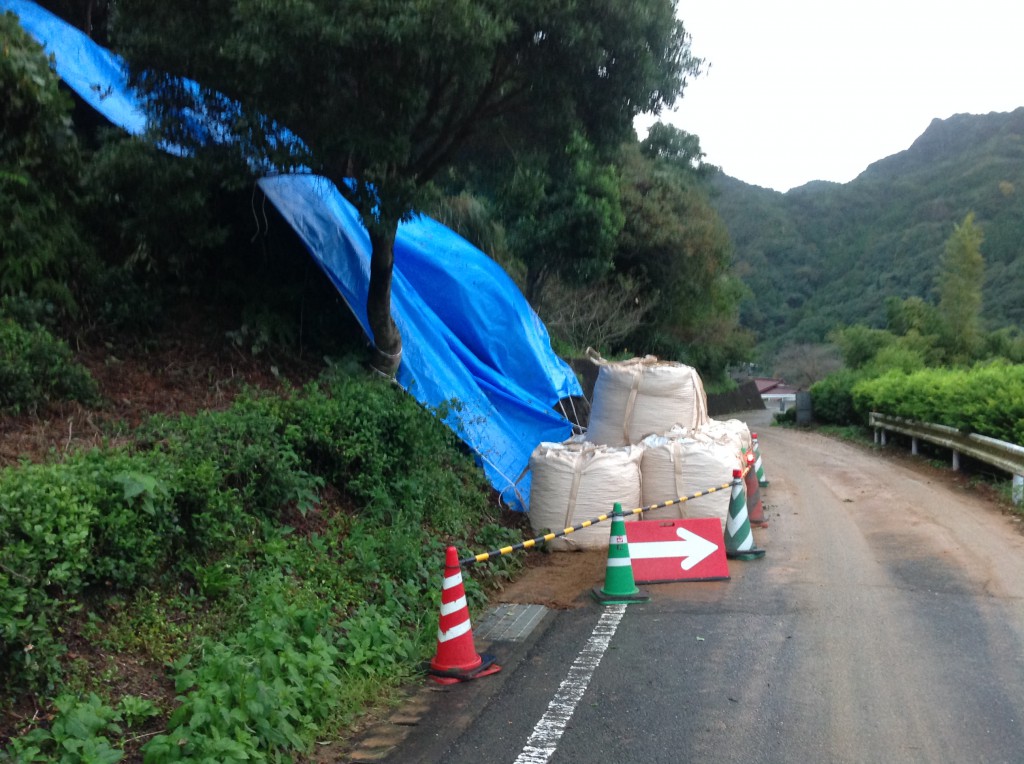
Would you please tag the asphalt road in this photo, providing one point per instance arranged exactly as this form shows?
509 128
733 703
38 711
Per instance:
885 624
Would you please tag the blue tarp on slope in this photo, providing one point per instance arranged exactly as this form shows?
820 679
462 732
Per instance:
469 334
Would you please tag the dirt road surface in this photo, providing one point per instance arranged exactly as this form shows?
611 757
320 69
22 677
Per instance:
886 623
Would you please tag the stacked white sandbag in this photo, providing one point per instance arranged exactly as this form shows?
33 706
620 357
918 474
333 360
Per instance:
681 463
643 396
577 481
729 431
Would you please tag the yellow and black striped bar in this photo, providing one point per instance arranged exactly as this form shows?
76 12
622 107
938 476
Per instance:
483 557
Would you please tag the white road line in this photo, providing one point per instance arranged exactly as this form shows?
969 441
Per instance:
543 741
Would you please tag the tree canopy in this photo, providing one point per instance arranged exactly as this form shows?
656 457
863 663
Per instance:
961 273
39 162
383 96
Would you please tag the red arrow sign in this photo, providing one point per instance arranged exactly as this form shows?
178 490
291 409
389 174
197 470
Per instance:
689 549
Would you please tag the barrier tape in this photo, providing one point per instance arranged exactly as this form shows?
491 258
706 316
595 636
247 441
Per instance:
484 556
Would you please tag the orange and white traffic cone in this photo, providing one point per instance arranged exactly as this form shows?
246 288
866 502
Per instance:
755 507
456 659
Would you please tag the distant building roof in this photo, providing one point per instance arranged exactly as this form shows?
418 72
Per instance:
771 386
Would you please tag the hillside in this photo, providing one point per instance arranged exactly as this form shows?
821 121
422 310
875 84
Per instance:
826 253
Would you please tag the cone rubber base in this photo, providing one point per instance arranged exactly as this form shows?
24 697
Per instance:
454 676
605 598
746 554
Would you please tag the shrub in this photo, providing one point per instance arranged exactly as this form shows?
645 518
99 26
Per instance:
37 368
832 398
136 530
41 247
375 442
84 731
285 625
44 558
249 447
261 692
987 399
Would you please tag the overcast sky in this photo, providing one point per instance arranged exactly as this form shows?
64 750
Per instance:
800 90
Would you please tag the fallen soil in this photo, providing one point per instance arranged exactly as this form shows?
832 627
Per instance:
557 580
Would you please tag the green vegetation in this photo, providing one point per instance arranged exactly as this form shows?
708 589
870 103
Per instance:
393 98
271 568
614 240
281 558
826 255
41 246
987 399
959 282
36 368
932 363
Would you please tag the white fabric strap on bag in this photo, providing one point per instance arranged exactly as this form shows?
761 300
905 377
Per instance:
574 489
630 402
702 399
677 465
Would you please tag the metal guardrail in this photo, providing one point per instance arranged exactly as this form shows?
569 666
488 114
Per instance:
998 453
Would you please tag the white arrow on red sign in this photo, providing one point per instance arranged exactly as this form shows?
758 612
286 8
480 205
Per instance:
681 549
691 548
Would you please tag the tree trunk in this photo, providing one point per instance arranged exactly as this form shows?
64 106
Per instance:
387 340
535 277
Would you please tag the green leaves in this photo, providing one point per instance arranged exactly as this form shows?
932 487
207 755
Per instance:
260 692
987 399
36 368
191 549
39 163
960 279
84 731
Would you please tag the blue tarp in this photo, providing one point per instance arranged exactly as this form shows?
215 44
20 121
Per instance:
469 334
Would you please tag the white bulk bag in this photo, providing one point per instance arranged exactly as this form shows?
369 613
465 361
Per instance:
730 431
643 396
573 482
677 465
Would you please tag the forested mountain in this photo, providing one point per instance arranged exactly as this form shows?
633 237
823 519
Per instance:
827 253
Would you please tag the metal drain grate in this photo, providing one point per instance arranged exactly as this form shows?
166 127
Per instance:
510 623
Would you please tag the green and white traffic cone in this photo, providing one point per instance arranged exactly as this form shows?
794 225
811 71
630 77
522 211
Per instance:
739 538
758 467
619 585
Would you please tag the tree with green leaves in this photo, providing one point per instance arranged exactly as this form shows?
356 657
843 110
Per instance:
675 244
565 219
41 246
960 279
383 96
676 147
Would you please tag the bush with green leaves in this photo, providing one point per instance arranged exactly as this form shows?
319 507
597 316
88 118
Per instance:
250 448
45 555
261 692
302 537
832 398
36 368
84 731
987 399
375 442
136 531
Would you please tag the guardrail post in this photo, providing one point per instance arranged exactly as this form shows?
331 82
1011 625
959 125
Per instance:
913 446
1008 457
